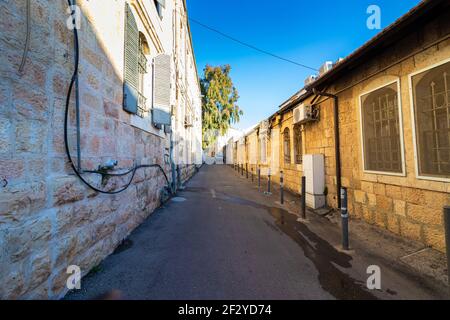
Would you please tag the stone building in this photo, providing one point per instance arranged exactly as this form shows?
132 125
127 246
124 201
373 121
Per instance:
387 105
139 111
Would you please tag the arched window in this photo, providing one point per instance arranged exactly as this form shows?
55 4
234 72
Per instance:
263 149
287 146
131 74
298 145
431 93
142 69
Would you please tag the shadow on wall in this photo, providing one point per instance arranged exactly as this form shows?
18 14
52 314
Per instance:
48 218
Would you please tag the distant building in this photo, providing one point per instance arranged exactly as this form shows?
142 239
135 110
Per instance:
140 104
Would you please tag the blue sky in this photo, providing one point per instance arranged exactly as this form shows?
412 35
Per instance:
309 32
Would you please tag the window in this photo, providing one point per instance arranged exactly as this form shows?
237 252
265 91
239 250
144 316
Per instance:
431 103
131 69
382 149
298 145
263 150
142 108
287 146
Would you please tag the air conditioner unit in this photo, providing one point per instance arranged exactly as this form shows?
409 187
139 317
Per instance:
303 113
310 79
327 66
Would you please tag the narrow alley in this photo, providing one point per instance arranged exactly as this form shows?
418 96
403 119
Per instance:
222 239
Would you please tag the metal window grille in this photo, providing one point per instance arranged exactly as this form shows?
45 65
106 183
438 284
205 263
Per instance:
431 94
381 130
287 146
142 106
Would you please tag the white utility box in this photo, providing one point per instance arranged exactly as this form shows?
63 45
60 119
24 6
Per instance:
314 171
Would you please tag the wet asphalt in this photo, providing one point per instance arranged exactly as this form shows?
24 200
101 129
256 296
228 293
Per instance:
221 241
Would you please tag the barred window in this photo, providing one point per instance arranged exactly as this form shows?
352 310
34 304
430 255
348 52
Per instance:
298 144
431 96
287 146
381 130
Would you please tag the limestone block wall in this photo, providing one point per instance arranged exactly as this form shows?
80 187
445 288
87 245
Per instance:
48 218
403 204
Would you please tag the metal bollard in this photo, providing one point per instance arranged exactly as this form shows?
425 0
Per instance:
242 169
259 179
252 173
281 188
303 197
447 239
246 170
344 217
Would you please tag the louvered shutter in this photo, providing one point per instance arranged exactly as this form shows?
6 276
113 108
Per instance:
161 111
131 71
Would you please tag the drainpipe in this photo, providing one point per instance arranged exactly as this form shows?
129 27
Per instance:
337 141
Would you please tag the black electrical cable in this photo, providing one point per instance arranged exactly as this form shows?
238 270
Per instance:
66 143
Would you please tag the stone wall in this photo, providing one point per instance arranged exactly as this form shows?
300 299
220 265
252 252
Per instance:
48 218
405 205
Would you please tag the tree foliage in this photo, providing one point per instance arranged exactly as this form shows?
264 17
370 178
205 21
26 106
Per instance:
219 108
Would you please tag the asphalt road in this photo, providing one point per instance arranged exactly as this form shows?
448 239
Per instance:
223 242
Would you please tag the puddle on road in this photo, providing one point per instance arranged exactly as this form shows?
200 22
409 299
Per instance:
323 255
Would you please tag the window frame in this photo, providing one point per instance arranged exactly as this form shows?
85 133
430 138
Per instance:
400 123
284 146
413 122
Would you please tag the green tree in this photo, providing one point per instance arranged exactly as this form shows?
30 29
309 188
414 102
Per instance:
219 108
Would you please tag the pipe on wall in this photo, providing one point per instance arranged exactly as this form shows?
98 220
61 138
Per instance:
337 143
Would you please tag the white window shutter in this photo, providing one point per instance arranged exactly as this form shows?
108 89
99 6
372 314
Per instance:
162 90
162 3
